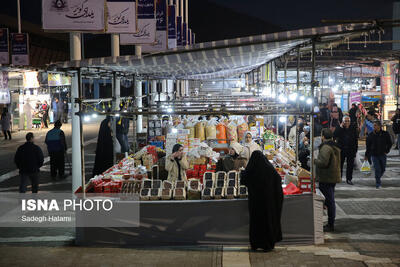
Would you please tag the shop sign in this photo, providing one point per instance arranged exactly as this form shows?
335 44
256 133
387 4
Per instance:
121 16
79 15
179 30
4 47
20 49
30 79
57 79
388 78
161 42
355 97
5 96
184 34
146 25
172 26
3 80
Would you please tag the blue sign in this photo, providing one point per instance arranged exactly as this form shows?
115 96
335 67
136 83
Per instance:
146 9
171 22
4 47
184 34
19 49
161 15
179 30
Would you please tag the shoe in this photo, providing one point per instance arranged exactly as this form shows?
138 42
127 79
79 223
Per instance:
378 187
349 182
329 228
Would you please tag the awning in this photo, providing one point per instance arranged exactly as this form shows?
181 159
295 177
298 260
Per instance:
218 59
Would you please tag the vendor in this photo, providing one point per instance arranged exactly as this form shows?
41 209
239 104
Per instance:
249 146
176 164
233 162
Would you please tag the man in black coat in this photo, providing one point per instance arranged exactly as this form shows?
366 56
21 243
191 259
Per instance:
29 159
347 138
379 144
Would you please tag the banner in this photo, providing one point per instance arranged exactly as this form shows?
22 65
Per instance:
146 25
388 78
4 47
190 37
20 49
5 96
121 16
3 80
355 97
57 79
79 15
161 43
179 30
172 27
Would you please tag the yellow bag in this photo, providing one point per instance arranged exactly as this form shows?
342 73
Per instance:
199 131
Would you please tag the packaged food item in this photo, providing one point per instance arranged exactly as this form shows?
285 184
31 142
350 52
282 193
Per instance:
221 133
218 192
211 131
180 184
207 194
145 194
209 184
230 192
156 184
179 193
242 191
232 175
194 184
232 133
242 129
220 183
167 184
221 175
166 194
209 176
146 183
232 183
200 131
193 194
155 194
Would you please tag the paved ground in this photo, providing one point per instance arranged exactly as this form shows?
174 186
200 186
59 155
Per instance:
367 229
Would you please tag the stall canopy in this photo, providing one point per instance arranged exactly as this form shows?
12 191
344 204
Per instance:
219 59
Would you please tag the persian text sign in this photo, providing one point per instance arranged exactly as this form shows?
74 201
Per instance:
388 78
172 26
4 47
121 16
159 45
20 49
179 30
80 15
146 27
355 97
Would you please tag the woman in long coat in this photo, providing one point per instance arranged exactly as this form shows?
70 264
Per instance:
6 123
105 149
265 202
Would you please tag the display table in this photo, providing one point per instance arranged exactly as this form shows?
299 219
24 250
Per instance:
212 222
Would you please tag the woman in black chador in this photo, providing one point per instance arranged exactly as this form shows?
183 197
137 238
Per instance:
265 202
104 149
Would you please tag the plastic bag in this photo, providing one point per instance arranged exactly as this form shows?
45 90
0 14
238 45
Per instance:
190 126
365 167
357 162
221 133
200 131
242 129
232 132
117 146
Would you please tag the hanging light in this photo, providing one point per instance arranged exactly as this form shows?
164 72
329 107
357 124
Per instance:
174 130
86 118
169 110
282 119
309 101
94 115
293 97
302 98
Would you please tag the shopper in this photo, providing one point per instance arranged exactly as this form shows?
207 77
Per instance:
354 114
57 147
176 164
65 111
6 123
328 174
347 138
60 110
104 158
54 108
324 116
379 144
336 116
122 130
29 159
45 117
265 202
233 161
295 130
396 127
28 113
249 146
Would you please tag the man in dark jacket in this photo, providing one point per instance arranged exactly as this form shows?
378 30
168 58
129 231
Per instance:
328 174
353 114
347 138
396 127
379 144
56 145
29 159
324 116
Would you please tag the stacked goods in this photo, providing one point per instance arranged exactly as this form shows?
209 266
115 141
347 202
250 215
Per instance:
155 194
200 131
211 130
242 129
232 133
221 133
304 180
190 126
166 194
242 191
207 193
167 185
230 192
194 189
156 184
179 194
154 128
146 183
219 192
145 194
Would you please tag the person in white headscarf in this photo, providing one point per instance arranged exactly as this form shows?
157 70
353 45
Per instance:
249 146
28 110
233 161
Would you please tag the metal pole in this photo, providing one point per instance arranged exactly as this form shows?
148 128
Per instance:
75 54
80 92
19 15
297 91
181 11
138 94
114 119
398 86
312 117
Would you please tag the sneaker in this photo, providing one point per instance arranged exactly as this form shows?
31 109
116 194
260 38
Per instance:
378 187
329 228
349 182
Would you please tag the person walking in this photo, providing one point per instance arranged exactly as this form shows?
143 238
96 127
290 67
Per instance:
28 110
324 115
29 159
45 111
57 147
378 144
328 174
60 110
354 114
347 138
396 127
104 158
336 116
265 202
6 123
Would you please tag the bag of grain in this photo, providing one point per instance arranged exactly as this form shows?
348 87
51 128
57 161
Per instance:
221 133
211 130
232 132
200 131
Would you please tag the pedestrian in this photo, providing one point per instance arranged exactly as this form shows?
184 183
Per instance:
60 110
347 138
265 201
324 116
336 116
28 110
104 158
65 111
396 127
176 164
57 147
6 123
378 144
45 110
54 108
354 114
249 146
328 174
29 159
